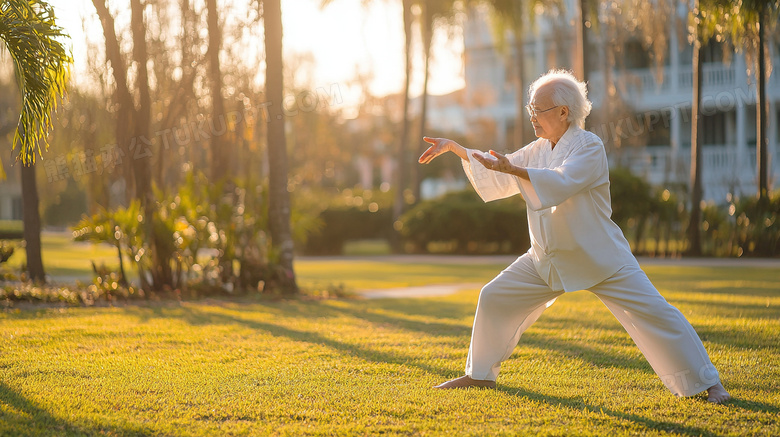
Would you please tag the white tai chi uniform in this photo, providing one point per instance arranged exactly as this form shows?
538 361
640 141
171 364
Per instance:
575 245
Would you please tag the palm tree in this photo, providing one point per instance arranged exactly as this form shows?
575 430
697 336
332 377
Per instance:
694 234
219 155
399 205
125 112
42 65
745 23
509 16
433 11
279 197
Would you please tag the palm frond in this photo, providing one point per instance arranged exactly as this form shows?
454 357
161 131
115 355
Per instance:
42 65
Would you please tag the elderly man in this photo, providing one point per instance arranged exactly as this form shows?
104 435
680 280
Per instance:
564 178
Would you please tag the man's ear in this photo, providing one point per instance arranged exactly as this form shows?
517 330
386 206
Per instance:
564 112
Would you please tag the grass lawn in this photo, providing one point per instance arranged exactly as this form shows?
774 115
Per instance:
365 367
62 257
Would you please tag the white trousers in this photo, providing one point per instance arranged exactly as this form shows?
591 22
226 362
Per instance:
515 299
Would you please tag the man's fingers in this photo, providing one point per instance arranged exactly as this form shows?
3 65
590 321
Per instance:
427 156
482 160
429 140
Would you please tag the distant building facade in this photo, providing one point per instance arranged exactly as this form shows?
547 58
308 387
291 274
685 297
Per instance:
646 121
11 191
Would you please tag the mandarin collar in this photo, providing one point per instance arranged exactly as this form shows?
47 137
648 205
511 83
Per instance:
564 141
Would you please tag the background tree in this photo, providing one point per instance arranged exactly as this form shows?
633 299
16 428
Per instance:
744 23
219 154
432 13
700 34
747 24
279 197
42 65
510 17
399 205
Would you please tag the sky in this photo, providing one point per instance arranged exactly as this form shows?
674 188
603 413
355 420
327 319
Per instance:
344 38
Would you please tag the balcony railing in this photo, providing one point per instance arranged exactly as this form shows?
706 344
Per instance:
643 84
723 171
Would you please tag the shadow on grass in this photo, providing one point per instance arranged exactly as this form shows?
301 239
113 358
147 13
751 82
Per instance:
597 356
578 404
434 312
21 417
441 321
569 348
198 317
735 281
733 309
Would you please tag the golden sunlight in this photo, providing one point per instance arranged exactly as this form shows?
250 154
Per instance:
341 42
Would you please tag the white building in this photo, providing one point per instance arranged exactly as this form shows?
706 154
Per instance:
649 131
11 191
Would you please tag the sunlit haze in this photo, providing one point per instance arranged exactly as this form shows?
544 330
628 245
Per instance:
345 39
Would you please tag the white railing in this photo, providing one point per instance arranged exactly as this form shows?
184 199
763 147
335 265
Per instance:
637 84
723 171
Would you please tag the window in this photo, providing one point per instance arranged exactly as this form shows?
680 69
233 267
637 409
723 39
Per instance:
635 56
712 51
714 129
16 208
658 125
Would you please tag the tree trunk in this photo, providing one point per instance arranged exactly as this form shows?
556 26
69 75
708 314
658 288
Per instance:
279 197
520 89
219 156
142 154
762 143
399 205
694 234
126 110
581 45
32 224
427 34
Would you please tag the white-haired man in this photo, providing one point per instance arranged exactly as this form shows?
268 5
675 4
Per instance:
564 178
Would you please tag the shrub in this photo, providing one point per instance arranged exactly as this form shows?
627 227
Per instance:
351 215
631 199
6 250
209 237
462 223
754 228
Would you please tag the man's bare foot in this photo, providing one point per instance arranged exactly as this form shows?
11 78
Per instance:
717 394
466 381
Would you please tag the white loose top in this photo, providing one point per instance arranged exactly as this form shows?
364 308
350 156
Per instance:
574 242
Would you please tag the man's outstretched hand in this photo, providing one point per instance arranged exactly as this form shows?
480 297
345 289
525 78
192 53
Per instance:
495 161
440 146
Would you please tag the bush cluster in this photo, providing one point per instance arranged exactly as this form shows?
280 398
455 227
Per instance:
743 227
654 219
462 223
207 237
352 214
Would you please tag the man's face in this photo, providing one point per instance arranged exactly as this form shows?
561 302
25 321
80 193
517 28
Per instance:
548 120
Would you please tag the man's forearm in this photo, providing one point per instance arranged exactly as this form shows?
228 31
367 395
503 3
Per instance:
503 166
520 172
459 150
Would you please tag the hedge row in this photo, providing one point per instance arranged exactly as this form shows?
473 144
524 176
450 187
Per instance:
462 223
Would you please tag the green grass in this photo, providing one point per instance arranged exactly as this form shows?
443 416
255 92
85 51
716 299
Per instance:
377 273
64 257
365 367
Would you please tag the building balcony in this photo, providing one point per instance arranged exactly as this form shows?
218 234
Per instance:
723 86
724 169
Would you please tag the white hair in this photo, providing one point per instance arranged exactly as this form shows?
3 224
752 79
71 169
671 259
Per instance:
566 91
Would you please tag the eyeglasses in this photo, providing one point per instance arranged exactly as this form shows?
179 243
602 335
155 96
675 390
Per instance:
533 112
